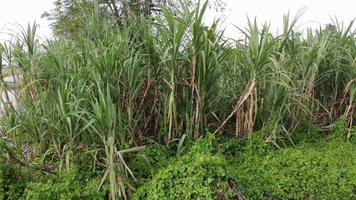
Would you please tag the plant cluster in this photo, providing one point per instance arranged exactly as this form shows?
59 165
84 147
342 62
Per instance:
72 185
200 174
167 79
317 170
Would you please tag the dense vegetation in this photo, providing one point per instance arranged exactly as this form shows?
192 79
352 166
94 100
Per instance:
116 112
323 169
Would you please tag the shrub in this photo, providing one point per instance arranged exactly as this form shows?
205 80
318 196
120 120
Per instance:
196 175
69 187
149 161
11 184
320 170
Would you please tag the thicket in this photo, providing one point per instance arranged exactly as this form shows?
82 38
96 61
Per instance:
319 167
165 79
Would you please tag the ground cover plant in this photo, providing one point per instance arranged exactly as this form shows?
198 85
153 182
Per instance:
321 169
112 112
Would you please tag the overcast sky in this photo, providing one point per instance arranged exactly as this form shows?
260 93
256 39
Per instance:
318 12
13 12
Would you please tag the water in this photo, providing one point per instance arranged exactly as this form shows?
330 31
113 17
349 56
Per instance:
9 96
12 79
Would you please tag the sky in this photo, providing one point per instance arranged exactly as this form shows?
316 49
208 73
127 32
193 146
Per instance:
317 12
14 12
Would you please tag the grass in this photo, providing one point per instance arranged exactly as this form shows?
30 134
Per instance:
168 79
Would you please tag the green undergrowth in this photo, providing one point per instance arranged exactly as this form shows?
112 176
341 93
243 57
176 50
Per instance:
199 174
320 170
11 185
69 187
148 161
74 184
315 166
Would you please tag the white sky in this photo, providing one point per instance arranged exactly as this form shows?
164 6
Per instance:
317 12
13 12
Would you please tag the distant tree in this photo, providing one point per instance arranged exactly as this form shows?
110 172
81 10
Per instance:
67 15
